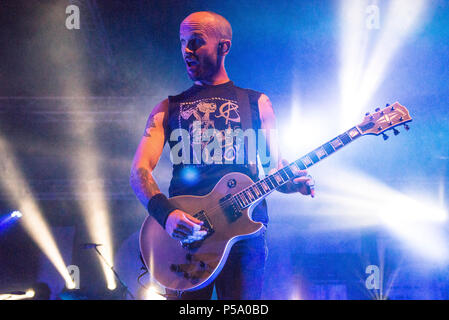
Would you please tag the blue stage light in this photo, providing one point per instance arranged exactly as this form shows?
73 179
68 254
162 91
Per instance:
189 175
8 219
16 214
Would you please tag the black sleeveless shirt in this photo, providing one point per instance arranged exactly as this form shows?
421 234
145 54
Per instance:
198 120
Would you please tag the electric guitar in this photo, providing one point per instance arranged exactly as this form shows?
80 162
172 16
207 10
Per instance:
226 211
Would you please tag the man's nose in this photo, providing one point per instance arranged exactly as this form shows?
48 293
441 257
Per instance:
187 50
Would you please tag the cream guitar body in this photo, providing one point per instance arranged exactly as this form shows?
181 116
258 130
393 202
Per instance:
190 267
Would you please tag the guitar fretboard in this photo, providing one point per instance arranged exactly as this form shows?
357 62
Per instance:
265 186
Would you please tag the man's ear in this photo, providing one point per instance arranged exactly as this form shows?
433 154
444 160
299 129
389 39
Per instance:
224 46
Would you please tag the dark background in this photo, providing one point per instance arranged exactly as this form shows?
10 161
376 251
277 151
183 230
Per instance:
126 58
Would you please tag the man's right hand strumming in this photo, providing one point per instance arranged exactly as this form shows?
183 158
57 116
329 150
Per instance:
183 227
178 224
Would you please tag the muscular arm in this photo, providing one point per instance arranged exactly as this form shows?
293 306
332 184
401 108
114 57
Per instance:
148 154
269 132
268 126
179 224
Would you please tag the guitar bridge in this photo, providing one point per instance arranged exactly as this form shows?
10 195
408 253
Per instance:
207 226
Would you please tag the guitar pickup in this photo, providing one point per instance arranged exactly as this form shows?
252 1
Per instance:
230 207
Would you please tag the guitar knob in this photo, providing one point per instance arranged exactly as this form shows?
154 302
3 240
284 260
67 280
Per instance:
175 268
194 280
385 136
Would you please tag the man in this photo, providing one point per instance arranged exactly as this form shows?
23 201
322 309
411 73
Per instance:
213 102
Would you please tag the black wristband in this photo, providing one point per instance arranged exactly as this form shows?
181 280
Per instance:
159 207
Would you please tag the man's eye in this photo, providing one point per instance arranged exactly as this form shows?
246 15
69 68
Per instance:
195 43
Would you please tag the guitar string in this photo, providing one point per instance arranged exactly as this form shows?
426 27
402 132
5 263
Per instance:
277 172
228 201
260 181
263 190
233 197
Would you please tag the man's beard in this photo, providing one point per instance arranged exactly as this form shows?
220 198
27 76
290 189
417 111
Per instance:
206 70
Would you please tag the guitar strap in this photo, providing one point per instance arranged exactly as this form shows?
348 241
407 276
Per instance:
247 121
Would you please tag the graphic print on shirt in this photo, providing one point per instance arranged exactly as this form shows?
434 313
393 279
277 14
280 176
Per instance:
210 121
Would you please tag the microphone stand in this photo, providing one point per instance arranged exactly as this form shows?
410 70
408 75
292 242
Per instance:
115 273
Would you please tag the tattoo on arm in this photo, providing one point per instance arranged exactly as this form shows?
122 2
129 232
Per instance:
150 124
144 185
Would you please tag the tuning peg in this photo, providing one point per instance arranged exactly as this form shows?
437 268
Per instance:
387 105
396 131
385 136
377 109
406 127
367 114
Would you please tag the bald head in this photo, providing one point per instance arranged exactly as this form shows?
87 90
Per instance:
214 24
205 41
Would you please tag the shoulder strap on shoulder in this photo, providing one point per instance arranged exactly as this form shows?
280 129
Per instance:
246 119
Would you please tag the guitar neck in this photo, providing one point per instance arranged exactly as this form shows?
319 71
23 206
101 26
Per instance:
265 186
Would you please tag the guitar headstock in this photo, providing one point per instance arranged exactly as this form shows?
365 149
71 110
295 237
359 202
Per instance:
388 118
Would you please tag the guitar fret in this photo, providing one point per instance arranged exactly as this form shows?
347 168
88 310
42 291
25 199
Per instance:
269 183
257 191
245 202
248 195
336 143
278 178
256 188
273 181
251 189
306 161
321 153
288 171
245 198
345 139
260 188
300 165
265 186
328 148
313 157
239 201
353 133
283 174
